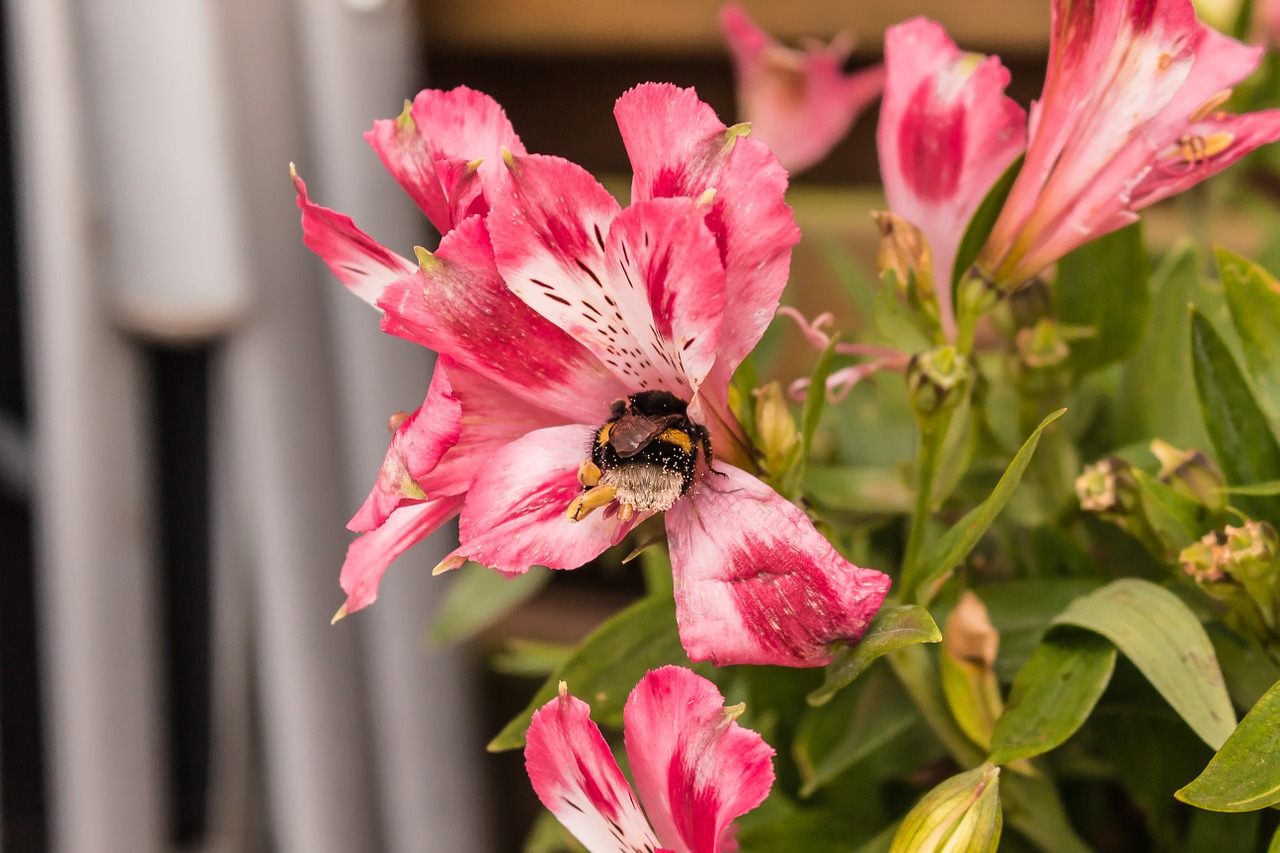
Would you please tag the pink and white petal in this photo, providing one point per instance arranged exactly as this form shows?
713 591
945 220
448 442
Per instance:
576 778
800 103
1174 171
756 583
679 148
515 515
946 134
359 261
416 449
695 768
369 556
458 125
458 305
491 417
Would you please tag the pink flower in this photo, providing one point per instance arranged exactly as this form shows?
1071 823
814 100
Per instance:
801 103
695 768
585 355
1129 115
947 132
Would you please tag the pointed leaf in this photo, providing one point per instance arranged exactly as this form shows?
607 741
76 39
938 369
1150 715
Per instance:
1247 449
1103 286
1163 638
957 542
1254 299
1245 773
1053 694
608 665
895 626
984 219
478 597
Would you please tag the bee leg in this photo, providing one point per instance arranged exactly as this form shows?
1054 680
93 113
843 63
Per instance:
590 501
703 438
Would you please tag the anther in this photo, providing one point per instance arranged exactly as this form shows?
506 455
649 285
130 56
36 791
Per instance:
590 501
1203 111
588 473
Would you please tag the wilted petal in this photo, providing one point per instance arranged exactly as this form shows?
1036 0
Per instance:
458 305
428 150
696 769
799 102
358 260
576 778
369 556
515 515
947 132
679 148
416 448
756 583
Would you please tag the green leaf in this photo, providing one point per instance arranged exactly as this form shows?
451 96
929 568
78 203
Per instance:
894 322
608 665
815 399
878 491
478 597
956 543
1245 773
1254 299
1159 393
1176 519
1267 489
1021 609
1103 285
984 219
895 626
1163 638
1053 694
1247 449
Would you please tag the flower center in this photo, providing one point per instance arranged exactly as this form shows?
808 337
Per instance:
642 459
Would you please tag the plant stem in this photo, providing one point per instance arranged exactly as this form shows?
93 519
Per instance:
933 432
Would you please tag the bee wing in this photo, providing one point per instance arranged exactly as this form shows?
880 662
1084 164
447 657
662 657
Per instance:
632 433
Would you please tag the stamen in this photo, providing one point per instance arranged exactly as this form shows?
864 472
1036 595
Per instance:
590 501
588 473
1196 149
1203 111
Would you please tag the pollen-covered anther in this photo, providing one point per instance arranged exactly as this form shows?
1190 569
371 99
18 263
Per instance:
590 501
1196 149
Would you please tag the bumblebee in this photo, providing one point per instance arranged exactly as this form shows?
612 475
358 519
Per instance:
644 457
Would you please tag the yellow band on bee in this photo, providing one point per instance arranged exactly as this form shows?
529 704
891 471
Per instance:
602 437
678 437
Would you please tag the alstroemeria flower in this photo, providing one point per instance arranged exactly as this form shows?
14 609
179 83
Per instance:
800 102
561 320
947 132
695 768
1129 115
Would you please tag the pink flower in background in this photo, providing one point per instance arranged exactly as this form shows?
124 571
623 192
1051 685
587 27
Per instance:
585 354
947 132
801 103
1129 115
695 768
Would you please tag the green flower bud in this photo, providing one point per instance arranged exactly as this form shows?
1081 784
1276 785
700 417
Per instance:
938 380
1239 563
1191 474
962 815
775 428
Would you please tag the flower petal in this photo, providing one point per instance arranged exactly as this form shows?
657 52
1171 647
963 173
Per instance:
458 305
515 513
696 769
756 583
576 778
800 103
643 289
416 448
947 132
358 260
679 148
428 149
369 556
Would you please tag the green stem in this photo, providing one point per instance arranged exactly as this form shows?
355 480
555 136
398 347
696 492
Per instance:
915 668
933 432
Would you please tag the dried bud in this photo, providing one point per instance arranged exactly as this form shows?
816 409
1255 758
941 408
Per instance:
1191 474
1107 488
904 250
775 427
1040 346
969 646
962 815
938 380
1236 559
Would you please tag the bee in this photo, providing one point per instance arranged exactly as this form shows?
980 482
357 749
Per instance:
644 457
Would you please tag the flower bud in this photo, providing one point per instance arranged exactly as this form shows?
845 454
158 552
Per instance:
1108 489
775 428
904 250
937 381
962 815
1191 474
969 646
1235 559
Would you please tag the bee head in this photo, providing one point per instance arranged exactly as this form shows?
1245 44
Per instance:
656 403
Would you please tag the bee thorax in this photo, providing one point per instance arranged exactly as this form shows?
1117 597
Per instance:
647 488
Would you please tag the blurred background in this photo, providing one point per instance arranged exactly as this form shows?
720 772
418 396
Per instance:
191 406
